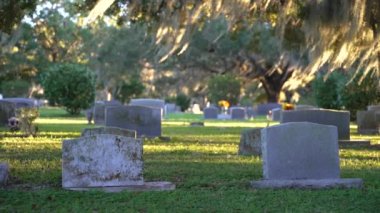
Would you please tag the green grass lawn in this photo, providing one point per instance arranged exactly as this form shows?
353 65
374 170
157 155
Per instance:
201 161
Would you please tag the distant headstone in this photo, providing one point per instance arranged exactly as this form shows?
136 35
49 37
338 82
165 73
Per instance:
102 160
196 109
4 173
250 112
149 102
263 109
367 122
7 110
301 154
210 113
170 108
250 142
100 110
146 121
22 102
238 113
109 130
276 114
340 119
373 108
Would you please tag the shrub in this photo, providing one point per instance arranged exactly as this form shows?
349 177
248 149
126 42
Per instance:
326 92
129 90
182 101
69 85
224 87
358 95
15 88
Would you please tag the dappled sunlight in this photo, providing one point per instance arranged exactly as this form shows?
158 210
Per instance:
61 121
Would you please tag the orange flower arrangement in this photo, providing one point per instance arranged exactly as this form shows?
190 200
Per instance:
287 106
224 104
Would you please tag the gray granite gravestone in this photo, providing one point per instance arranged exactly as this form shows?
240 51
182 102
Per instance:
367 122
263 109
170 108
7 110
146 121
301 154
210 113
250 142
109 130
238 113
4 173
100 110
304 107
340 119
149 102
102 160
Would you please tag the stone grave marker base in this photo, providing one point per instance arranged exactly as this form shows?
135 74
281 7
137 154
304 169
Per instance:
354 143
147 186
308 184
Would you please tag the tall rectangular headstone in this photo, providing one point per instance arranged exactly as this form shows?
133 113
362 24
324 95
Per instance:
102 160
238 113
367 122
338 118
144 120
149 102
100 110
210 113
300 150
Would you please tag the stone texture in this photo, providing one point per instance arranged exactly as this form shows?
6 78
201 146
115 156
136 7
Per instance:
102 160
250 142
146 121
238 113
171 108
340 119
100 110
263 109
4 173
147 186
7 110
210 113
109 130
149 102
309 184
300 150
367 122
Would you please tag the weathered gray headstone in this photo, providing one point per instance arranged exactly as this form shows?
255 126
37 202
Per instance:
102 160
301 154
4 173
238 113
144 120
210 113
22 102
109 130
367 122
149 102
100 110
340 119
263 109
250 142
7 110
170 108
300 150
